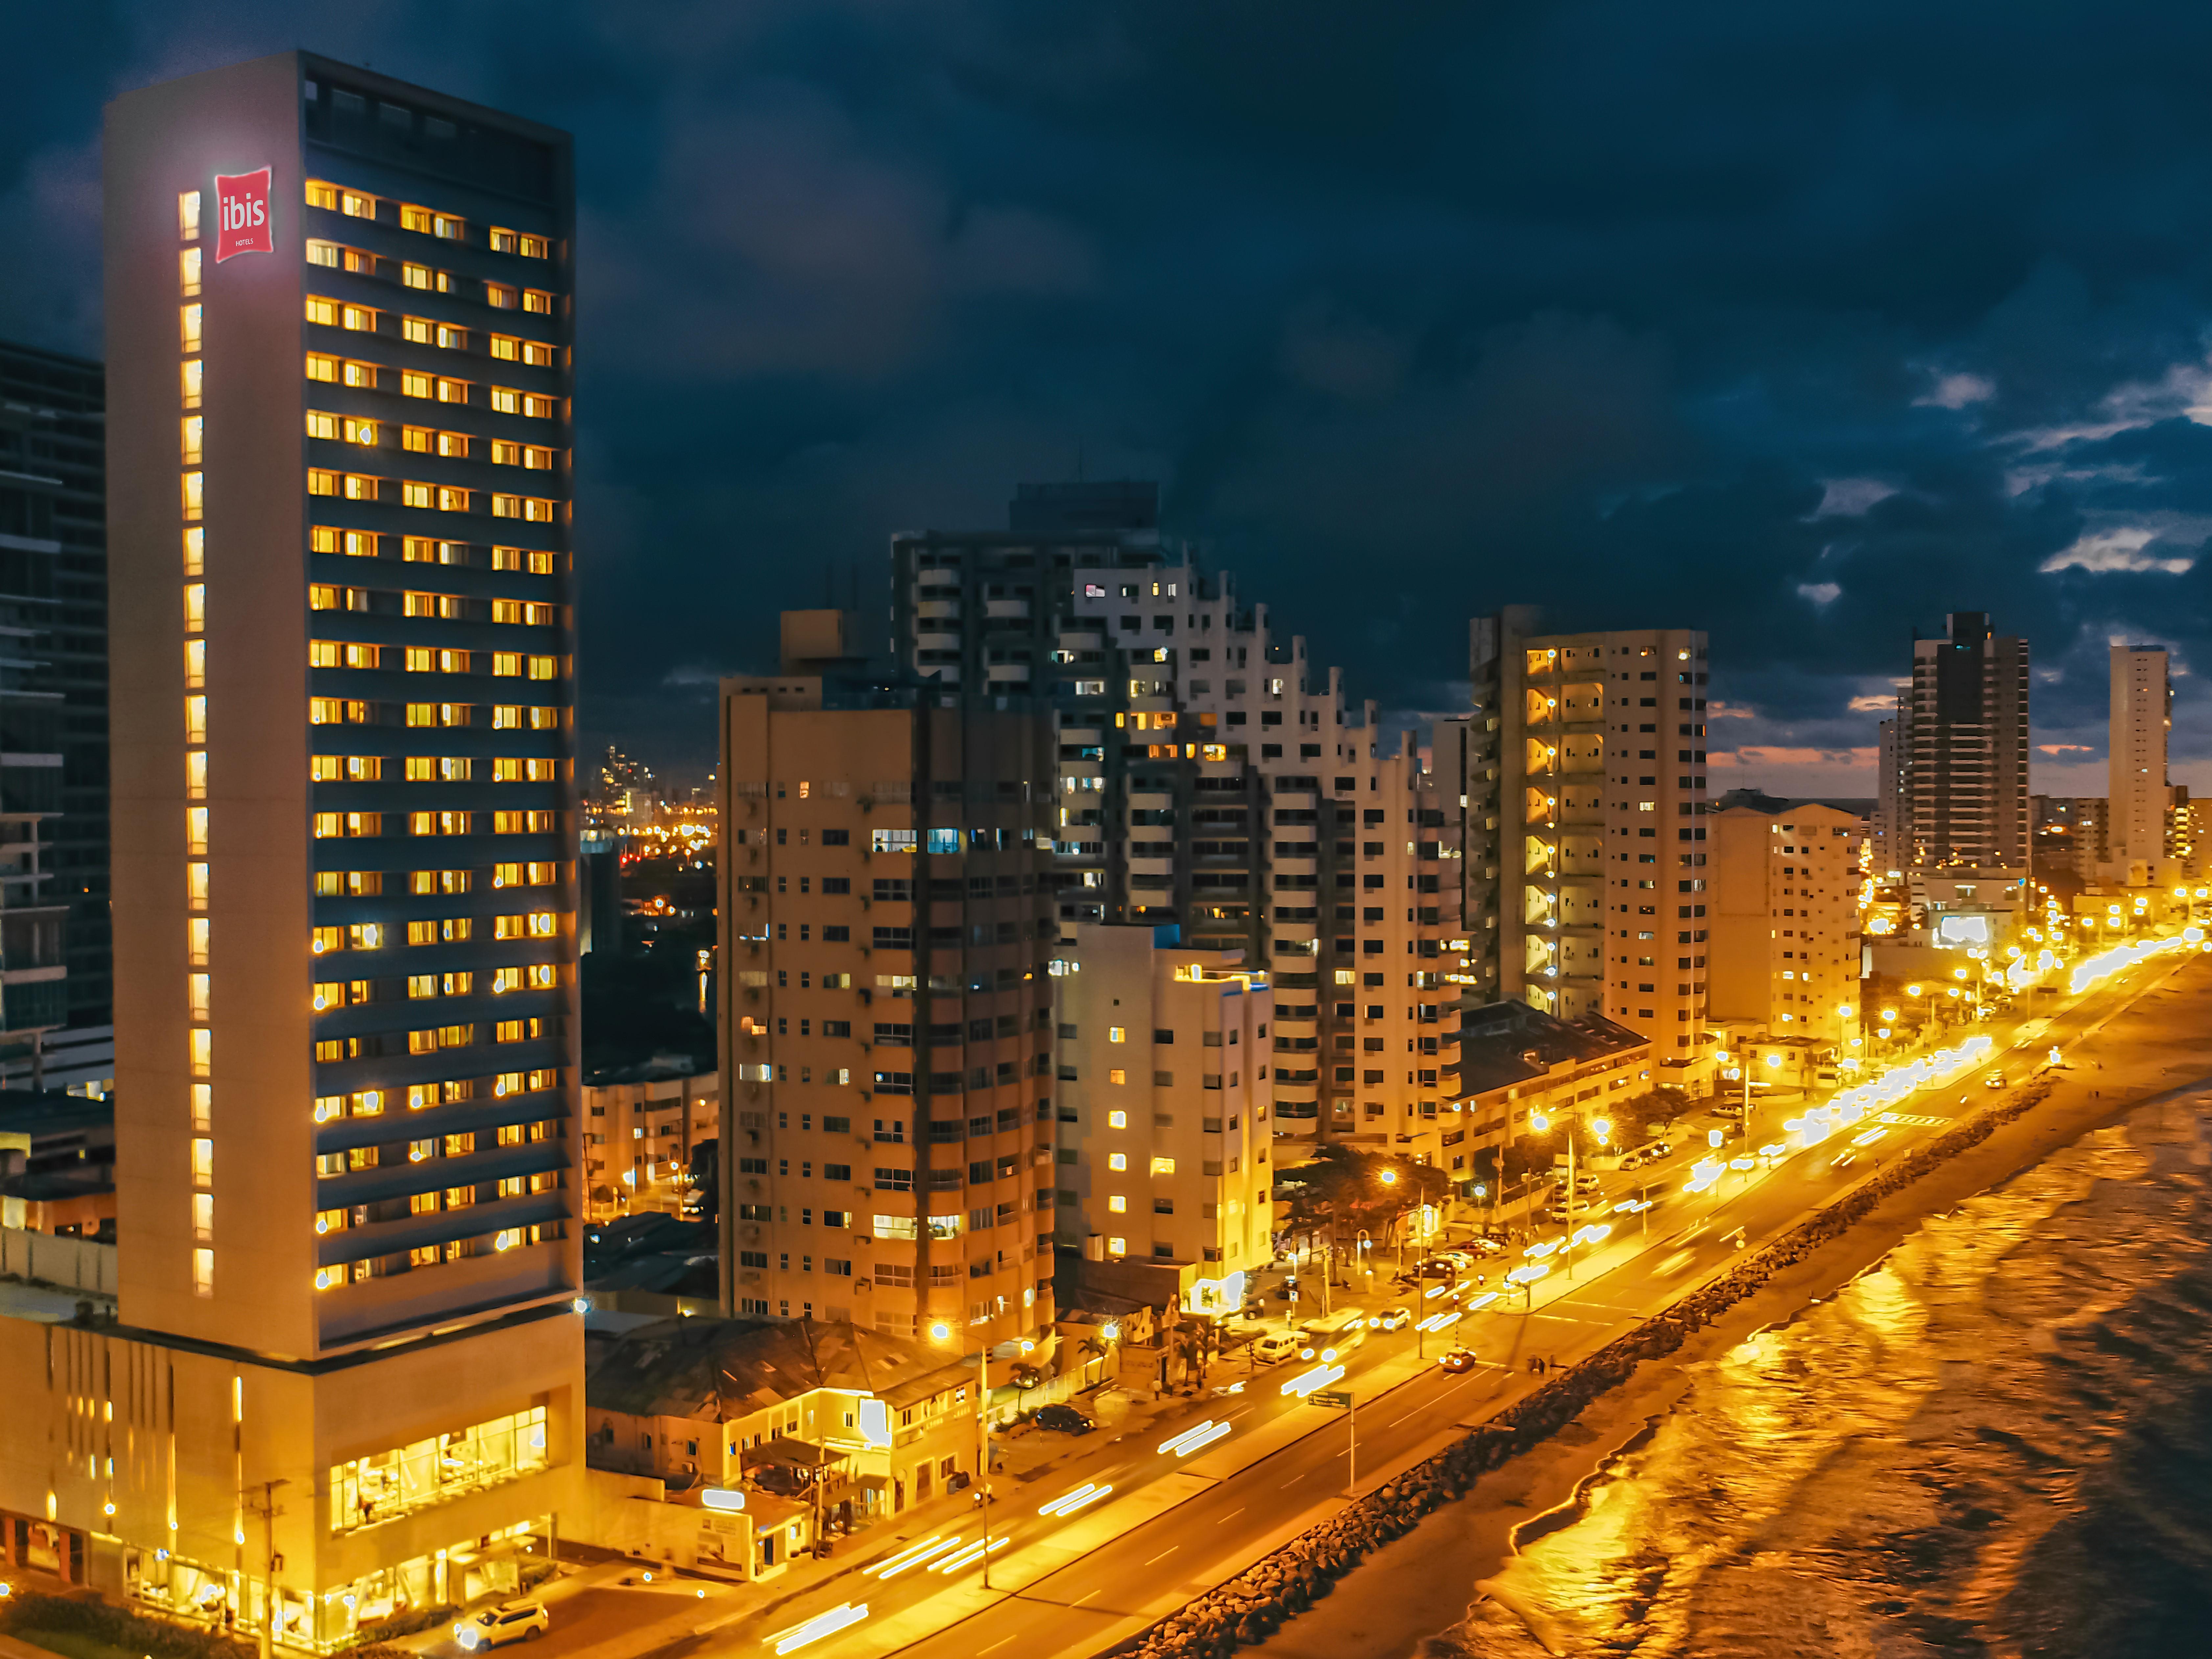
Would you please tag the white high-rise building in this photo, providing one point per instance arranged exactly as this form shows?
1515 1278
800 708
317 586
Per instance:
2138 795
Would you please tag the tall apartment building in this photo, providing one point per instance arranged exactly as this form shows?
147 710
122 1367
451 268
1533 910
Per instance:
1585 785
2139 799
53 551
1206 779
1892 812
886 925
347 1374
1785 930
34 984
1165 1091
1962 725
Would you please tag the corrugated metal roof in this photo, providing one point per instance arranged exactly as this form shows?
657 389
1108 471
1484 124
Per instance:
716 1370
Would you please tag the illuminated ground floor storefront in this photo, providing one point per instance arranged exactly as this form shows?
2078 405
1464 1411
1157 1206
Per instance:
231 1596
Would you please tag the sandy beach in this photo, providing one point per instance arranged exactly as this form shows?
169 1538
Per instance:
1425 1582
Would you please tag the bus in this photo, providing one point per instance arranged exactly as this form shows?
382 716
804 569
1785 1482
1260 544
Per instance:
1333 1337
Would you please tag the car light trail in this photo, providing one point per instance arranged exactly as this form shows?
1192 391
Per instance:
913 1556
1434 1292
970 1555
2121 958
1482 1301
1084 1495
1191 1439
1440 1320
1870 1136
1593 1235
822 1624
1528 1273
1319 1377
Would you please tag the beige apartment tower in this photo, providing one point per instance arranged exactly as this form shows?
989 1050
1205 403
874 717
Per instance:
1165 1100
887 923
1585 783
341 1377
1785 936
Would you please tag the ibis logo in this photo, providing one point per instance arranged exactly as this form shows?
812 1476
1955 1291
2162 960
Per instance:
241 209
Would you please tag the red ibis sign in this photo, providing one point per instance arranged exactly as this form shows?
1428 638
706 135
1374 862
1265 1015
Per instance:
241 207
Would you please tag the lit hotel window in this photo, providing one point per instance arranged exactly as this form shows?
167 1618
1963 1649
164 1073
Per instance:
188 215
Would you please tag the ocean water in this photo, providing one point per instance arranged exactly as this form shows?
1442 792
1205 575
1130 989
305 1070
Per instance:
1998 1442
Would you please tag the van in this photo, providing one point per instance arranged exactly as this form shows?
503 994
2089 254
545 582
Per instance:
1333 1337
1274 1346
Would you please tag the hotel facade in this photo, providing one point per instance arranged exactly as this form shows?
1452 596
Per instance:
341 1376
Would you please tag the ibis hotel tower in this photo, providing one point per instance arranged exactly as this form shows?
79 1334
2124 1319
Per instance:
344 1373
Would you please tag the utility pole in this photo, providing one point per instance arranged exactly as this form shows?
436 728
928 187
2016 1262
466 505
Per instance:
266 1508
983 1449
1569 1252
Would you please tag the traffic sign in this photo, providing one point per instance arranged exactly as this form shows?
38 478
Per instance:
1335 1399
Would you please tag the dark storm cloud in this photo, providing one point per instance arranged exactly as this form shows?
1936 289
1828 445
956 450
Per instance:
1802 326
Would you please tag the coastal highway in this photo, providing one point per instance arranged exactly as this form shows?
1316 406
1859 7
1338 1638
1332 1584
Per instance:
1172 1525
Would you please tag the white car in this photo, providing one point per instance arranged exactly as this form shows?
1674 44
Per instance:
511 1622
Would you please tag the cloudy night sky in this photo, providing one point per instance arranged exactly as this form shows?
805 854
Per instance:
1800 324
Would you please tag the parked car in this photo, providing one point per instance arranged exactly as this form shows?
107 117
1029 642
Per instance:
1063 1419
1486 1245
1458 1359
1390 1319
510 1621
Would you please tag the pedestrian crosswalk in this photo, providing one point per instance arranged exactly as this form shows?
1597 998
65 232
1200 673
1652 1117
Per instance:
1908 1121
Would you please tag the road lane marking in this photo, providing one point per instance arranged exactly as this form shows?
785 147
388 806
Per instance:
1001 1643
1233 1514
1162 1556
1076 1602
